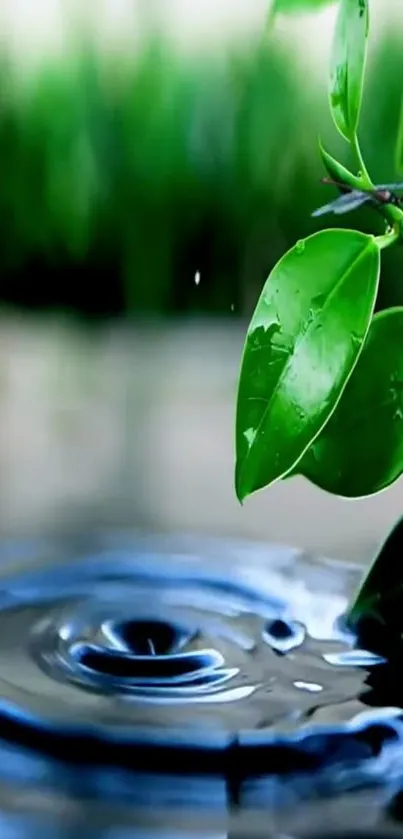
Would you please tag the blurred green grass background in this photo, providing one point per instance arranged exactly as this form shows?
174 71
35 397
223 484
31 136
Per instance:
125 171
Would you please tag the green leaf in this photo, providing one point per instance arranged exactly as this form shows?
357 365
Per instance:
360 451
302 344
348 65
376 610
336 171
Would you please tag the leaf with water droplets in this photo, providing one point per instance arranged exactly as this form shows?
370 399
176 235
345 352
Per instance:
360 450
299 352
348 65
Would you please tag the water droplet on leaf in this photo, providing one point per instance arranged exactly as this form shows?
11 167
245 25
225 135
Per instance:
356 340
300 246
250 435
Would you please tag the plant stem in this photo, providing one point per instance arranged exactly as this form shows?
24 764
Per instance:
389 238
364 175
393 215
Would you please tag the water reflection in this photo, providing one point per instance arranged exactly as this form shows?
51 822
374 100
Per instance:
144 680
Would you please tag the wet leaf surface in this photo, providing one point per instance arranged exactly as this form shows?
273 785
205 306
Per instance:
360 451
302 344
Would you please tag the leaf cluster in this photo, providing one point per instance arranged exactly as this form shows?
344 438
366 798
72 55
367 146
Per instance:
320 390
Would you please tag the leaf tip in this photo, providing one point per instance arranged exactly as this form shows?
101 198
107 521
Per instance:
240 494
240 491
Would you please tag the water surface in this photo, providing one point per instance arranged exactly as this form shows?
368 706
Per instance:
170 686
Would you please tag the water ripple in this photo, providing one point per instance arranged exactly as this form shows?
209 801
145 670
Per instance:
216 672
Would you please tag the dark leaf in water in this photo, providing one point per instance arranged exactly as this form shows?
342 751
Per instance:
377 610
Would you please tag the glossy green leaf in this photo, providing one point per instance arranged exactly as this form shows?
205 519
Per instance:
336 171
303 341
348 65
360 451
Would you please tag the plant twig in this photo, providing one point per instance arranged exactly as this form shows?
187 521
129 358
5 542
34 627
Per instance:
363 171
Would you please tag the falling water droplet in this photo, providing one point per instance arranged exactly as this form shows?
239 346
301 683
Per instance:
197 278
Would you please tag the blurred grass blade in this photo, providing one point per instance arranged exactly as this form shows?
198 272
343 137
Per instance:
348 65
303 341
399 142
295 6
